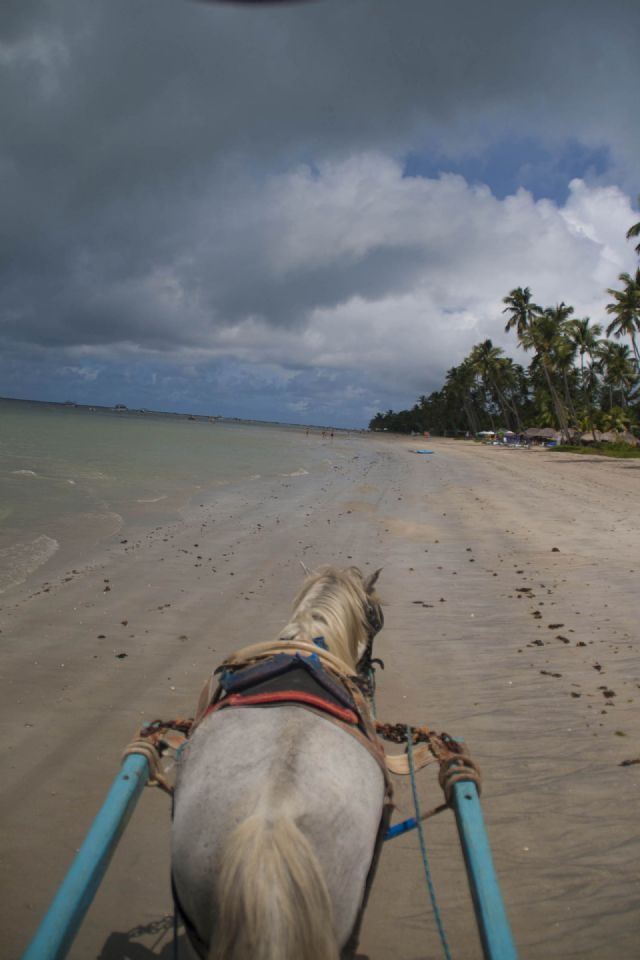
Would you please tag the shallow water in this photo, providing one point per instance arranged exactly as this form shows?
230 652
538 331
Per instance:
75 475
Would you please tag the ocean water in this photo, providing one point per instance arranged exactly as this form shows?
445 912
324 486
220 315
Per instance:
72 478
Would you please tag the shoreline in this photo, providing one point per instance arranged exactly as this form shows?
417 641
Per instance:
116 514
472 548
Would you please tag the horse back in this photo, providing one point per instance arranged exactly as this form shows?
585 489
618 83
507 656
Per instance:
275 763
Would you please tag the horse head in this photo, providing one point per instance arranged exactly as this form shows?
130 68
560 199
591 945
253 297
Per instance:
375 623
340 606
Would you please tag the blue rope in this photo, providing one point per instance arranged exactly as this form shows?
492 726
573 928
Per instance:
423 850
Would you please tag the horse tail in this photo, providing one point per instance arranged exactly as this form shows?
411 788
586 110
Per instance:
272 899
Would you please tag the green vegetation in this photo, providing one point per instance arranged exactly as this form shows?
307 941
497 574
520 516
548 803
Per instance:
623 451
577 381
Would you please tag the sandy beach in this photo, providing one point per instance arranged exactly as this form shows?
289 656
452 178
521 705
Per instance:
511 604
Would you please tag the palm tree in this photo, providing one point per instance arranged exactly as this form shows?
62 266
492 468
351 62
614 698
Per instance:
521 310
510 380
626 310
591 386
583 335
495 372
619 373
565 354
460 392
634 231
544 335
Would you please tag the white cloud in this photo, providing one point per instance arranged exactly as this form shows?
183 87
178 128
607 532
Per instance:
147 227
462 248
84 374
392 279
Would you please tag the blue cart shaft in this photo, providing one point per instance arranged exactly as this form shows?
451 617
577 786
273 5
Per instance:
61 922
495 932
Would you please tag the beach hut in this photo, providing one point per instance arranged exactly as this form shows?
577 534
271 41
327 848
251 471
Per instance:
542 434
610 436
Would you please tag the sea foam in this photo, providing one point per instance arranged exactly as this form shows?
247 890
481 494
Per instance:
21 559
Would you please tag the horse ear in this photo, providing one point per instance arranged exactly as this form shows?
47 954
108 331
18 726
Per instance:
370 582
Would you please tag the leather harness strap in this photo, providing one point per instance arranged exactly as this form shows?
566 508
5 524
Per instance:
285 696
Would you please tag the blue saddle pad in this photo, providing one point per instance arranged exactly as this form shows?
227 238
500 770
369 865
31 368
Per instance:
284 672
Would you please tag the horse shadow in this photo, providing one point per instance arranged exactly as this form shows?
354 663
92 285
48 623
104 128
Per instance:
126 945
150 941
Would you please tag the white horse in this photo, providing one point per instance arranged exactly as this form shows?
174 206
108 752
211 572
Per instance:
279 810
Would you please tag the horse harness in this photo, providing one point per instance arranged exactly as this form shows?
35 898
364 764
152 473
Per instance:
287 678
301 674
306 675
310 678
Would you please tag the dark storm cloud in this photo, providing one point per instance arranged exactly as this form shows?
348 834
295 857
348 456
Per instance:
139 140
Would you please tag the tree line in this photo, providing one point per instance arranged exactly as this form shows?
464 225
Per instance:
577 381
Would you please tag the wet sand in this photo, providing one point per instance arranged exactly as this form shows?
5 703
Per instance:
510 589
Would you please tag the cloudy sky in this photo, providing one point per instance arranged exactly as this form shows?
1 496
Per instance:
302 212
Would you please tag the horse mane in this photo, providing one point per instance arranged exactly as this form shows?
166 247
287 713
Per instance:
332 604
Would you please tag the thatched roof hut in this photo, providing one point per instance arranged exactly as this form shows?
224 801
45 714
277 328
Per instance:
541 433
610 436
